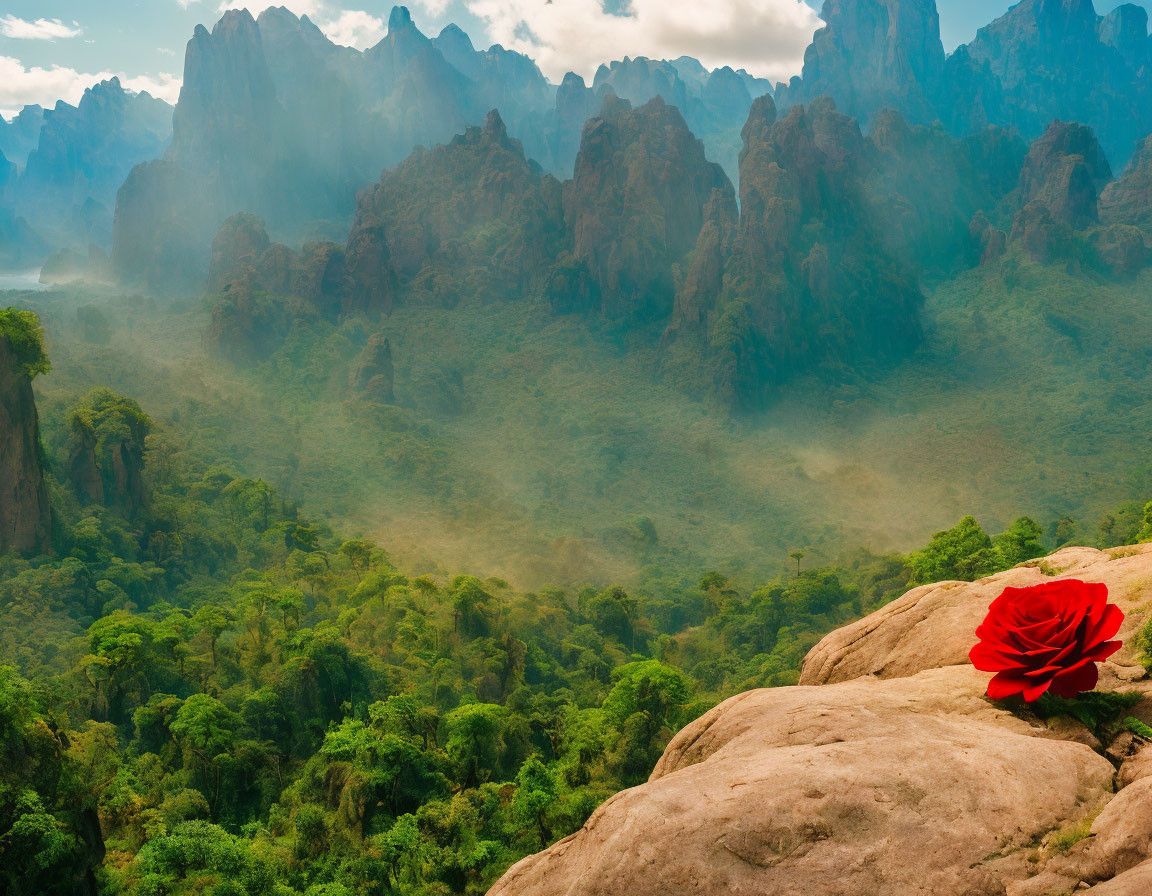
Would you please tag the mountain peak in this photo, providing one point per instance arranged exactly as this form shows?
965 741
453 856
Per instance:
399 19
234 20
494 125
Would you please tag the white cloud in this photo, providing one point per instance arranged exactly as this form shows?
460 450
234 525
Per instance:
41 29
21 86
164 86
766 37
434 8
355 28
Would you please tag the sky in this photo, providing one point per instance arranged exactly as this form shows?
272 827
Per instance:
53 49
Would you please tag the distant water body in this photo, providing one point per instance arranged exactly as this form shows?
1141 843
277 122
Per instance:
21 280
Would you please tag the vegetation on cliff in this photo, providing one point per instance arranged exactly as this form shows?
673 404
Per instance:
25 338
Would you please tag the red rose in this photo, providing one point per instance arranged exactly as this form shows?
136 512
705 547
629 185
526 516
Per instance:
1046 637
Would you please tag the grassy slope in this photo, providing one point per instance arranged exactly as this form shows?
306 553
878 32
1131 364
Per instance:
1034 400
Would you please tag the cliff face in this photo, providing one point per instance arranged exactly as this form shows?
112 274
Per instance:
808 280
635 205
1059 59
872 55
1041 60
886 771
24 512
1128 200
431 210
106 452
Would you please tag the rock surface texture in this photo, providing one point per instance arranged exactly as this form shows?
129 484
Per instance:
885 771
24 512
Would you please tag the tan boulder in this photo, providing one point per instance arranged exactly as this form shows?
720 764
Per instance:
1136 882
917 785
1135 767
935 625
1121 834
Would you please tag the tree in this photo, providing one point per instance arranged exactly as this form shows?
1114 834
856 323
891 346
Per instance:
120 650
647 687
536 793
469 600
359 554
208 730
213 620
475 740
1020 542
963 552
611 613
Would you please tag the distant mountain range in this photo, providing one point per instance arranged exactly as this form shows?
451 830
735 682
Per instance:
762 236
276 120
1042 60
60 169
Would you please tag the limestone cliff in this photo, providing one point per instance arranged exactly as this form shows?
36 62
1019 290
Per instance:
809 280
1128 200
886 771
476 206
635 205
873 54
106 452
24 511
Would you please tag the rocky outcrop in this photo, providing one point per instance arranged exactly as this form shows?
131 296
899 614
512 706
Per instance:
1065 169
83 466
261 289
635 205
990 242
871 55
886 771
1057 59
106 452
372 375
477 204
702 280
1042 236
25 515
809 281
925 187
931 626
850 788
240 243
1128 200
1121 250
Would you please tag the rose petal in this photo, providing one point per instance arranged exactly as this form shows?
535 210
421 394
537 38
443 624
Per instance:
1003 686
1076 680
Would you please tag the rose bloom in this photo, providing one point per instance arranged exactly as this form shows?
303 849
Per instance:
1048 637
